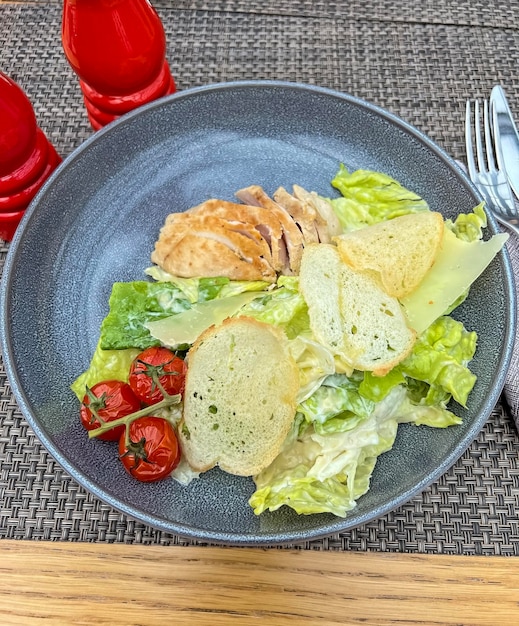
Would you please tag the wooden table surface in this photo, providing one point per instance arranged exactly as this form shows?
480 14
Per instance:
98 583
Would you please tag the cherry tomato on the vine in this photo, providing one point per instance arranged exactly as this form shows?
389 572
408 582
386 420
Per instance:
155 368
153 451
107 401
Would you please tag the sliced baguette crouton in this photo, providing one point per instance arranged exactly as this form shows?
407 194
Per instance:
240 397
397 253
351 315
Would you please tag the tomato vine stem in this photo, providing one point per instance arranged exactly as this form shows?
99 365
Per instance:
128 419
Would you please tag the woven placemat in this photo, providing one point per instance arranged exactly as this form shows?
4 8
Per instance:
423 71
486 13
491 13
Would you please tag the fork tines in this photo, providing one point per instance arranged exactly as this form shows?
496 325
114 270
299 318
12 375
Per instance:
483 143
491 181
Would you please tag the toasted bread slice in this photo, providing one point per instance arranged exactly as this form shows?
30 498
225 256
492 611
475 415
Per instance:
351 315
397 253
240 397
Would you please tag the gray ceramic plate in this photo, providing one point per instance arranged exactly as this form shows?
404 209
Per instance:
96 220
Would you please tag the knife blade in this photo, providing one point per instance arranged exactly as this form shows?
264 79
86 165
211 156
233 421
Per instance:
506 137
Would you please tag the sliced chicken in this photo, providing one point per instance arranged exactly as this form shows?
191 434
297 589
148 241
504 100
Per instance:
223 226
304 215
256 240
292 236
329 226
263 221
210 246
196 256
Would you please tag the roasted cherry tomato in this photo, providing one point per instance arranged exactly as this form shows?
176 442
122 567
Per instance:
155 368
153 451
105 402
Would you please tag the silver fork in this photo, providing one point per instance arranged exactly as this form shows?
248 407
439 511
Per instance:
491 181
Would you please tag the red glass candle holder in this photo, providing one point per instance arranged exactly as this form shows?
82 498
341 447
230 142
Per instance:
118 50
27 158
9 223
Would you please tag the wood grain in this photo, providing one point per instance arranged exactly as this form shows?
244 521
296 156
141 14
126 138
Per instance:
84 583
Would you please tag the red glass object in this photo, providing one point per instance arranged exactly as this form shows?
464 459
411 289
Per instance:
118 50
27 158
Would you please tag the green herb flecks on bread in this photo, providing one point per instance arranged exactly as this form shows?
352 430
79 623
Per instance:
240 397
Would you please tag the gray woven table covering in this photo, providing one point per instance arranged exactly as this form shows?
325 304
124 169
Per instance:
417 61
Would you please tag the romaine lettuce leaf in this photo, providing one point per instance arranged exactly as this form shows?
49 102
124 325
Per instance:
134 305
416 409
370 197
105 365
327 472
284 307
439 358
469 226
435 371
336 406
188 286
315 363
376 388
203 289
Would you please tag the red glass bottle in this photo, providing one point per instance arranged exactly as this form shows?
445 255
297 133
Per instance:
27 158
118 50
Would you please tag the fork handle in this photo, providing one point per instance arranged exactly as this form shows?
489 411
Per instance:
506 224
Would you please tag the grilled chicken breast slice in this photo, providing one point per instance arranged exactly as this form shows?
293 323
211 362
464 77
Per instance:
264 222
209 245
292 236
